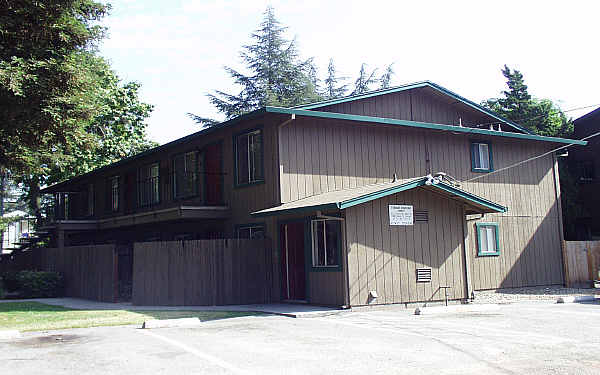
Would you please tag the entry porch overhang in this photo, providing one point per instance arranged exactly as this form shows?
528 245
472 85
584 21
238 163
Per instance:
342 199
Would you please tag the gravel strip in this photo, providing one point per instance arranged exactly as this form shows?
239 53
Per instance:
531 294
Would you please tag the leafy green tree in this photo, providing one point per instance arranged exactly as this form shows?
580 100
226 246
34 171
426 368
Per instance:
365 80
115 129
277 76
40 80
334 86
386 78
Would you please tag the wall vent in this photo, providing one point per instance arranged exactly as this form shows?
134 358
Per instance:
423 275
421 216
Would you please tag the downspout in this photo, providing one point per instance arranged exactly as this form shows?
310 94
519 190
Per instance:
468 282
557 196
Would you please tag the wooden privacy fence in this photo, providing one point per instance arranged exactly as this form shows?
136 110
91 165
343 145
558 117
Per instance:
202 272
582 262
89 271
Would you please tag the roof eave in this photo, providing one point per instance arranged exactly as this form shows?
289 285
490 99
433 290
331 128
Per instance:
417 124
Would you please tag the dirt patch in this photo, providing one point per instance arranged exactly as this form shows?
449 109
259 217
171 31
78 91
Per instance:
50 340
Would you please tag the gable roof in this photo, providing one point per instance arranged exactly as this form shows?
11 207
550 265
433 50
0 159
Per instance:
587 116
411 86
342 199
309 113
423 125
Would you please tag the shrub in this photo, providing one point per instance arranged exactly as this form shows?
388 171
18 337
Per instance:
11 283
1 289
39 284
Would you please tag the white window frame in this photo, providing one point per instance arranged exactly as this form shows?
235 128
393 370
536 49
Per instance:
114 193
315 249
482 149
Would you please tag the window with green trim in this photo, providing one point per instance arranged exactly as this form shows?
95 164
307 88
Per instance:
249 157
253 232
326 242
488 242
481 157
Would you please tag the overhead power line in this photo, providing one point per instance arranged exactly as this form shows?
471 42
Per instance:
539 116
530 159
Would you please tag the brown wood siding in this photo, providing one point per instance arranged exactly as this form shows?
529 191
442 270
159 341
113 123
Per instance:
384 258
346 155
326 288
421 104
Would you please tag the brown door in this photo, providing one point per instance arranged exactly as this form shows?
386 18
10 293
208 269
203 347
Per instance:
292 261
214 177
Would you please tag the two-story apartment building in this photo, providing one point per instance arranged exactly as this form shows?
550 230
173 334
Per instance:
348 192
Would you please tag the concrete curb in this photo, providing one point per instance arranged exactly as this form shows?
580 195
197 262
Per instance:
171 323
573 299
455 309
10 334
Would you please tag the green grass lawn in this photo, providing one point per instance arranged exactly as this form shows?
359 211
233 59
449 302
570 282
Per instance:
35 316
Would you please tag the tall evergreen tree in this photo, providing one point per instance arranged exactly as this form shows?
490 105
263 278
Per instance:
386 78
334 86
365 80
540 116
277 76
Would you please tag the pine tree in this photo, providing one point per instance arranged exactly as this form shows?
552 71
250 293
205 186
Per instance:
277 78
540 116
364 81
334 87
386 78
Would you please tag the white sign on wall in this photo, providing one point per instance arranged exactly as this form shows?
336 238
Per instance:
401 214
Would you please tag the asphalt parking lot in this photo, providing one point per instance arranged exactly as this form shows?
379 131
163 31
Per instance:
531 338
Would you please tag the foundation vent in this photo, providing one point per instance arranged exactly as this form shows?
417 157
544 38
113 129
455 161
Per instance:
423 275
421 216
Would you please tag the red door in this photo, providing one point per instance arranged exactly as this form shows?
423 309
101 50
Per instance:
213 173
292 261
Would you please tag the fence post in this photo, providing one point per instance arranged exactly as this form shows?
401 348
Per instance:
565 257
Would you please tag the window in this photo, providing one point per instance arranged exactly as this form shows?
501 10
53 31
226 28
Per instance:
481 157
326 243
113 193
487 239
586 170
90 199
149 185
249 158
185 175
251 231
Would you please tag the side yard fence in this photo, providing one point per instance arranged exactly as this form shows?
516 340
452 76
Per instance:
89 271
202 272
582 260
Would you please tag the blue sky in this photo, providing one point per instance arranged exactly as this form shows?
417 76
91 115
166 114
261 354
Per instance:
177 49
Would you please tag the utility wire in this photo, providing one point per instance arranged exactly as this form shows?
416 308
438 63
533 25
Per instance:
530 159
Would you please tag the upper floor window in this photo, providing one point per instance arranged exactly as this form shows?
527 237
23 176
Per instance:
481 157
90 199
185 175
113 193
149 185
251 231
326 243
488 242
249 157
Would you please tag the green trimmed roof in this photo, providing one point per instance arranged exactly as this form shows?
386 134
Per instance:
342 199
424 125
411 86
